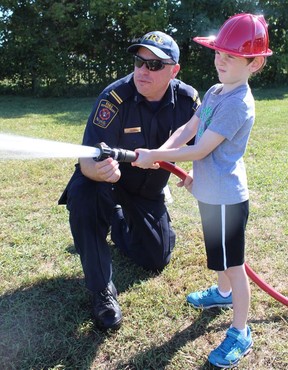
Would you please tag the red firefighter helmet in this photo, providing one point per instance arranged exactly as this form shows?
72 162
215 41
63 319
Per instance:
243 35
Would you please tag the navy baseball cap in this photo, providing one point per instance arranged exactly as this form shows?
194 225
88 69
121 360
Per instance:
160 44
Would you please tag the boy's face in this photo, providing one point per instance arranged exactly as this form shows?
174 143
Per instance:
231 69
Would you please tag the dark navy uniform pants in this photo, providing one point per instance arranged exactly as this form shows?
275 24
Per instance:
141 229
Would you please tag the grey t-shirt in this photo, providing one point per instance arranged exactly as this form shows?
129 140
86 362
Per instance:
220 178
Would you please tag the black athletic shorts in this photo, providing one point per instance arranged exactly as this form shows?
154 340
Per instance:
224 233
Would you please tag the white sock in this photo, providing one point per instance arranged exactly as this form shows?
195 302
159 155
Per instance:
224 294
243 332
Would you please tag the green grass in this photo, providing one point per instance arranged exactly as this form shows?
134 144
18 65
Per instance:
44 307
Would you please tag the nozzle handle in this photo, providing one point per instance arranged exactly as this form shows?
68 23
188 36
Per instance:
121 155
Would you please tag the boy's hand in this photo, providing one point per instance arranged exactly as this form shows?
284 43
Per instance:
188 182
145 159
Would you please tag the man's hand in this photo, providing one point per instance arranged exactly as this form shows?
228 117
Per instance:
103 171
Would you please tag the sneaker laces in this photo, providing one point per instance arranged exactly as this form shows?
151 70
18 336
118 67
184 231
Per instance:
206 293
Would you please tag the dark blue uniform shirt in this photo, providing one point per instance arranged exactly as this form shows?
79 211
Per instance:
123 118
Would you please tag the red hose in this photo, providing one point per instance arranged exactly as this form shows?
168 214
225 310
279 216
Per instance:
264 286
253 276
173 169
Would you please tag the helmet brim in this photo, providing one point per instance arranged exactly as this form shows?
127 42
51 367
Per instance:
209 42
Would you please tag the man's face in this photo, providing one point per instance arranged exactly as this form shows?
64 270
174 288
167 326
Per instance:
153 84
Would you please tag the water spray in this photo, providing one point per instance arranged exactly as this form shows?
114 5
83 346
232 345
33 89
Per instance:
19 147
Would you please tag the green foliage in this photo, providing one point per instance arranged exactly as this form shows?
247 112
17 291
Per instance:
78 47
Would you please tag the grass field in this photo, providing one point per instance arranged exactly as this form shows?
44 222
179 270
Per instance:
45 316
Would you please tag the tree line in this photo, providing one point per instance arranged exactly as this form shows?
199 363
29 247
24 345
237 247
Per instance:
73 47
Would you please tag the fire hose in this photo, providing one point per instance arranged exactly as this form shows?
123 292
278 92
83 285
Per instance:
122 155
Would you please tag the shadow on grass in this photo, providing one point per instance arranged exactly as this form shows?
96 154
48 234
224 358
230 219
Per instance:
46 325
65 111
270 93
49 324
160 357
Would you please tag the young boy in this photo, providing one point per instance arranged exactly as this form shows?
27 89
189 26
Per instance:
222 126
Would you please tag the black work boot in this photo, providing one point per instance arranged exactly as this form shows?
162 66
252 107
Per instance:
106 309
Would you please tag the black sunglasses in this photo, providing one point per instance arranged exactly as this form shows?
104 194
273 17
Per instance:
151 64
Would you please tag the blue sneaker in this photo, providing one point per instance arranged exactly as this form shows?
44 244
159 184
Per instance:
209 298
232 349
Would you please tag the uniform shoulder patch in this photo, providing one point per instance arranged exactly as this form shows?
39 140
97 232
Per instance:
105 113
